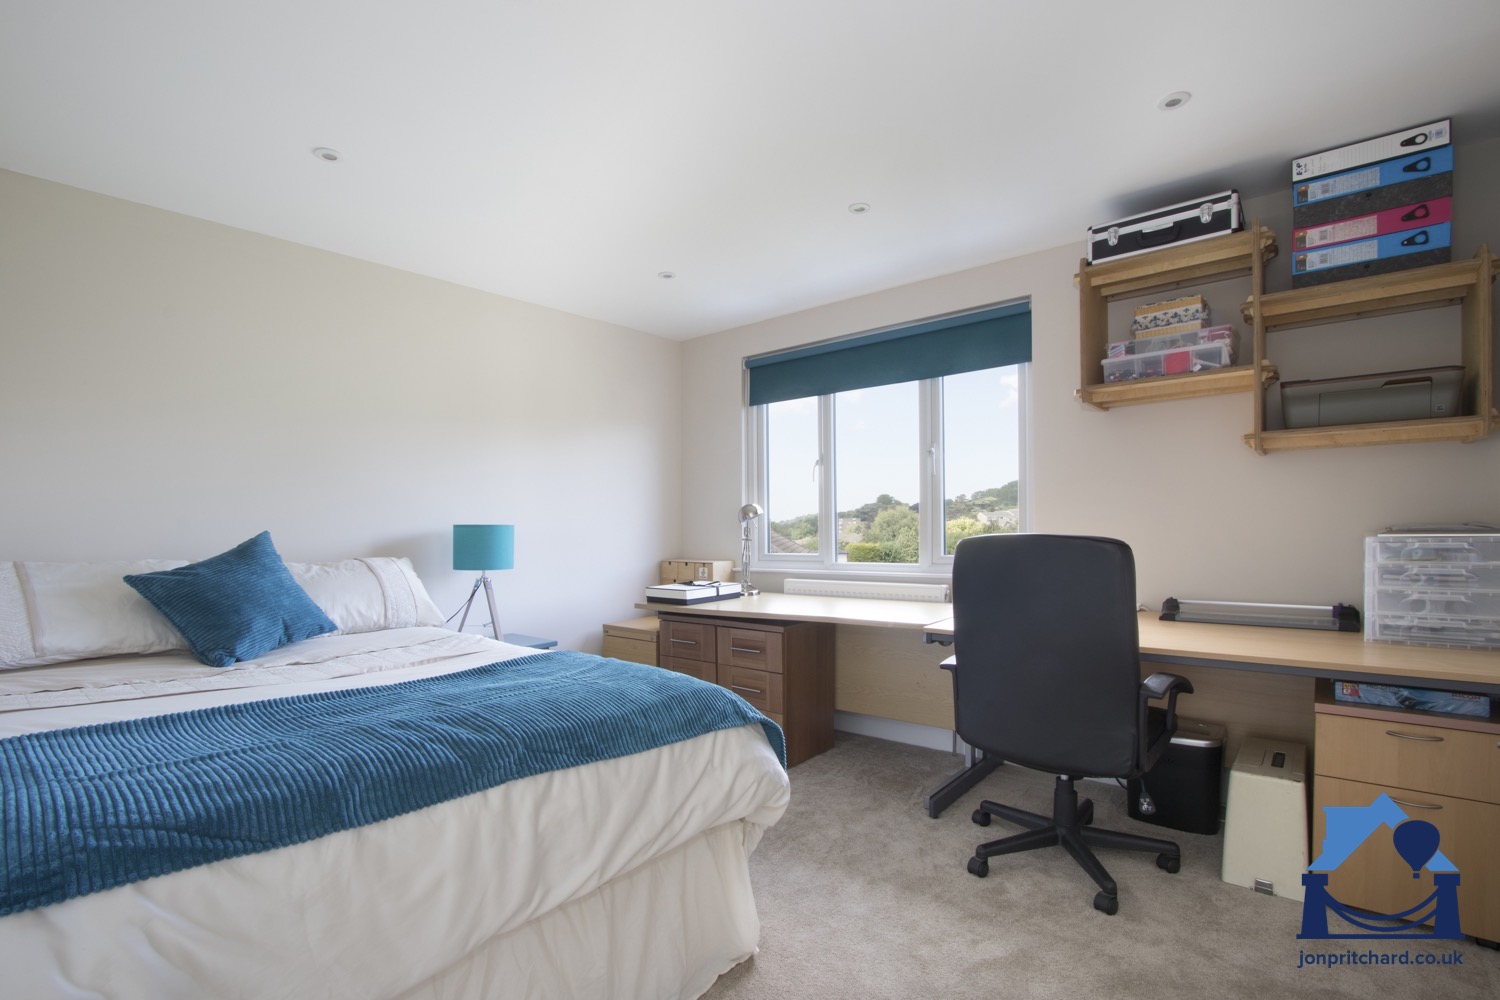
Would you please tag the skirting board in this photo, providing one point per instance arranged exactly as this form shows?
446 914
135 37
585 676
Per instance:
910 733
915 735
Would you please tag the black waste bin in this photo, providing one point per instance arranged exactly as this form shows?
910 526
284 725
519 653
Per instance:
1184 787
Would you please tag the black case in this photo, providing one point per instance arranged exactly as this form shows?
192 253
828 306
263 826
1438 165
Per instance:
1163 227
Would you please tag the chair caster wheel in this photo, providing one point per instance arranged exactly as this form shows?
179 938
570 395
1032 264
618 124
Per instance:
981 818
979 867
1169 863
1086 812
1107 904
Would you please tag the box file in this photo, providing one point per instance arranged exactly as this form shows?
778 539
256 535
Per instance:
1378 255
1397 171
1385 147
1393 220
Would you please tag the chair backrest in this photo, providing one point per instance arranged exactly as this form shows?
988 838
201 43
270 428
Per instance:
1048 656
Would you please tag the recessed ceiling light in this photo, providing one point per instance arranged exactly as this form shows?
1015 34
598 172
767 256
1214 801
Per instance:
324 153
666 274
1174 100
859 207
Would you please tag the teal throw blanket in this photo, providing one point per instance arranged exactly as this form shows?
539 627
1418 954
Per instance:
95 807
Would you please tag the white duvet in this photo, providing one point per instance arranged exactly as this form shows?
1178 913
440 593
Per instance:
392 908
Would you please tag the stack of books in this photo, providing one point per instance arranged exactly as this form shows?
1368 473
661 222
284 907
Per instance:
691 593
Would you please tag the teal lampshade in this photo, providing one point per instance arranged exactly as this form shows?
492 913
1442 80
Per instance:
484 546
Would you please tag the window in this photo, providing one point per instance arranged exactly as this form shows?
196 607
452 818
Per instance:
893 473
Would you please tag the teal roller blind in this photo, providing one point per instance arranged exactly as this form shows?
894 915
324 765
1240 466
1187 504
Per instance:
989 338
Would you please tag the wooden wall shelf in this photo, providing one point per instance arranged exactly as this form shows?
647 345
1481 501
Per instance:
1389 432
1239 378
1462 282
1227 256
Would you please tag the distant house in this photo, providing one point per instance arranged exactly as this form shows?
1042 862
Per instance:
1000 520
781 543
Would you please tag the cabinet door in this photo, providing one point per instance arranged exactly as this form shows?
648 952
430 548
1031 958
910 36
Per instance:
1376 878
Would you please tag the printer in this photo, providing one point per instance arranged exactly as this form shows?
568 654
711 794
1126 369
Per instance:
1366 399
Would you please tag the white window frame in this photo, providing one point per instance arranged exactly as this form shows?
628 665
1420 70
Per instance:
931 560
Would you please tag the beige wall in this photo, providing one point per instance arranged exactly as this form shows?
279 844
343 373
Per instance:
170 386
1207 517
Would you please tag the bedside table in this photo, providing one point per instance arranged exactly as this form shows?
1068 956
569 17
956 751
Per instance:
521 639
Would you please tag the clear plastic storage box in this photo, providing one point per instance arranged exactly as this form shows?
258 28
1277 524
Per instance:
1433 589
1201 357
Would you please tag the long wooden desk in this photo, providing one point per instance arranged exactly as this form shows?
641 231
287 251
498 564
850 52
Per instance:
1255 680
1260 679
1305 653
908 615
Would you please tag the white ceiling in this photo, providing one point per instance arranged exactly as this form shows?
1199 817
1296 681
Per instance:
564 152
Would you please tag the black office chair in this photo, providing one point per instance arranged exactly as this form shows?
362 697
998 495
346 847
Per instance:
1046 674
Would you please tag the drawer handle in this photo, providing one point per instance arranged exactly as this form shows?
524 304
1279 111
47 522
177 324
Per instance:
737 687
1414 805
1420 739
742 649
687 642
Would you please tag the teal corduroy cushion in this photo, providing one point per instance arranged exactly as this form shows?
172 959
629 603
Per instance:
236 605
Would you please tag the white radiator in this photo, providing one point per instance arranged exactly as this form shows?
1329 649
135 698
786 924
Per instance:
933 593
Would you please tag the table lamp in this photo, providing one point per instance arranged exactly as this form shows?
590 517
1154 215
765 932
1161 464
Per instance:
748 513
483 547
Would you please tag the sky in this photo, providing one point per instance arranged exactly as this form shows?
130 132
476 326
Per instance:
876 440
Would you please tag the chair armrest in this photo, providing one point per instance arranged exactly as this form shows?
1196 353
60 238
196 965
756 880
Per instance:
1154 688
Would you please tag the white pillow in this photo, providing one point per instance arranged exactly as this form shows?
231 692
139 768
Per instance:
53 612
365 595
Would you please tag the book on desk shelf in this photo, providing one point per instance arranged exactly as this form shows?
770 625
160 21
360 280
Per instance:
692 593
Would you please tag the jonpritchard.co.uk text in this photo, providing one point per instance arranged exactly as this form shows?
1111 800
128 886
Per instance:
1334 959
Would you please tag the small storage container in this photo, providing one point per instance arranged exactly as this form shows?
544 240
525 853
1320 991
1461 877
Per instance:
1183 789
1434 588
1177 361
1186 338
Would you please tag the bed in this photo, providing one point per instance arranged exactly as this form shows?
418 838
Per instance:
622 876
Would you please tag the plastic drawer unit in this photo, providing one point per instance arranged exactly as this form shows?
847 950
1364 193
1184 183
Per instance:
1433 589
1176 361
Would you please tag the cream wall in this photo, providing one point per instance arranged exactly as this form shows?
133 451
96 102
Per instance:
1206 516
169 387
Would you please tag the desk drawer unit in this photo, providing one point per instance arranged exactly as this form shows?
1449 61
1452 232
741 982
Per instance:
743 647
1377 878
785 669
688 640
704 670
1406 755
760 688
1445 770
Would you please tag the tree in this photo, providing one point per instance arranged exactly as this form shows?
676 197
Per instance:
893 534
960 528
